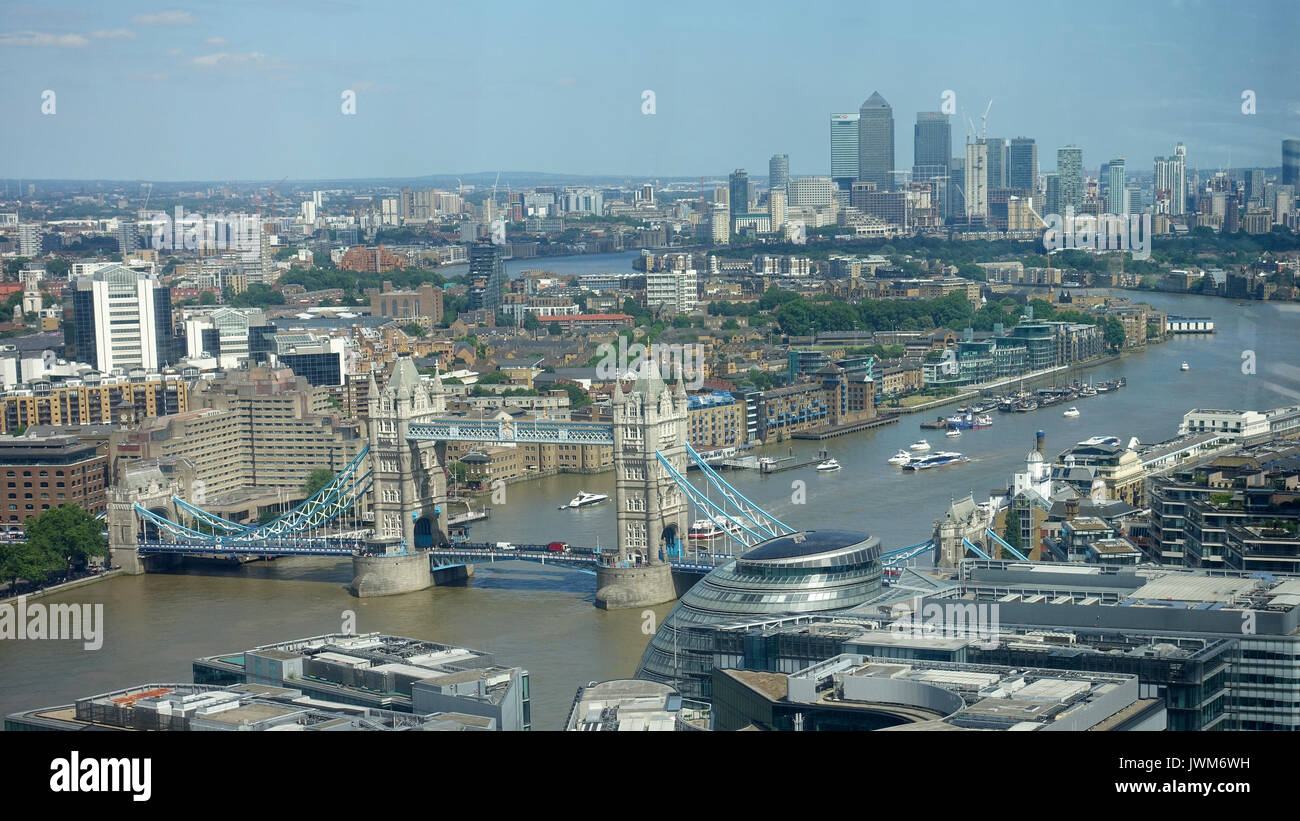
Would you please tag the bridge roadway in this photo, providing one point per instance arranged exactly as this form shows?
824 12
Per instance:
584 559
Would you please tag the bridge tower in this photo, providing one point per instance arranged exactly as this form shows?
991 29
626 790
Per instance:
409 489
652 511
964 519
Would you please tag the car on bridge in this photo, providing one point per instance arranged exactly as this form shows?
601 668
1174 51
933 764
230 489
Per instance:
558 547
505 546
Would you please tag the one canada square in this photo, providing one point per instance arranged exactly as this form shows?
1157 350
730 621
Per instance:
876 141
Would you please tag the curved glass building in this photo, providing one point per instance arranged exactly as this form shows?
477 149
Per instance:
809 572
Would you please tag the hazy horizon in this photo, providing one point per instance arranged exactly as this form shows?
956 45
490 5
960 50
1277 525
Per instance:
249 92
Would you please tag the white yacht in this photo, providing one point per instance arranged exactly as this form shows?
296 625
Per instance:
1072 412
919 445
829 464
1185 367
953 434
900 458
584 498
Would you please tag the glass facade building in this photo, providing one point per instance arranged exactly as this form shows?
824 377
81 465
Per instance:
808 572
844 149
875 141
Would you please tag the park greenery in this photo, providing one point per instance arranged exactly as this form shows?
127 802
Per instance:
60 540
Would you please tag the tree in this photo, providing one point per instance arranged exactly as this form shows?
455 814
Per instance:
207 298
67 533
730 324
24 560
577 396
317 479
457 472
1113 330
1011 532
413 329
554 329
531 323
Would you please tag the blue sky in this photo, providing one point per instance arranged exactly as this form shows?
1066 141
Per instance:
244 90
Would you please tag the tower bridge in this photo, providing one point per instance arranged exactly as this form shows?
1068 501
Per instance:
401 472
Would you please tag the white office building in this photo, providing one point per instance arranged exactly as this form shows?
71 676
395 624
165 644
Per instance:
122 319
816 192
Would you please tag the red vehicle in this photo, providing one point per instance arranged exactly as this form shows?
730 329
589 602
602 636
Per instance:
558 547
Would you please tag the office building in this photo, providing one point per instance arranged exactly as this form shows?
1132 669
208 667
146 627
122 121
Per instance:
859 692
318 359
1022 164
629 705
814 192
121 319
997 149
44 472
385 672
844 149
1291 163
241 708
224 335
247 429
1115 174
876 141
386 301
778 172
932 140
487 275
738 192
1069 171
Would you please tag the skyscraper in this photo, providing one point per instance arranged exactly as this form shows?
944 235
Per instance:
738 192
122 319
977 192
1115 202
997 148
932 139
128 237
932 155
875 141
1052 194
844 149
1291 163
1254 188
1179 198
778 172
486 263
1022 166
1069 170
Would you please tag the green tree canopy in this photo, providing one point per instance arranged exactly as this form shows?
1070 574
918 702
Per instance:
317 479
67 533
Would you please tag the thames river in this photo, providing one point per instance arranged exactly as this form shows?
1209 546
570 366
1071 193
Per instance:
543 618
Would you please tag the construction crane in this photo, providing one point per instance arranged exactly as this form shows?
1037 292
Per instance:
984 121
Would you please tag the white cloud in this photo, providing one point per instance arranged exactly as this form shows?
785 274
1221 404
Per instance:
215 41
113 34
36 38
164 18
173 52
222 58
